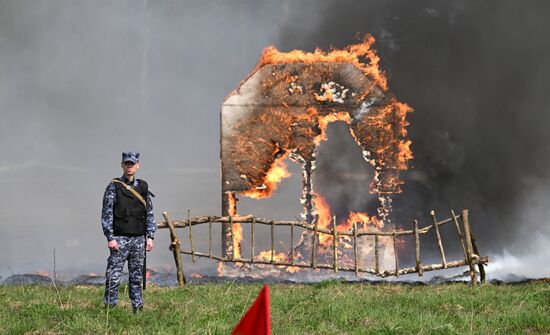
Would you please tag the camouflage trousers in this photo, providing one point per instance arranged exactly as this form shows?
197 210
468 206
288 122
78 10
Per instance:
131 249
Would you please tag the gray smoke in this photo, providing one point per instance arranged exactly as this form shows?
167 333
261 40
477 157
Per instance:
82 81
477 75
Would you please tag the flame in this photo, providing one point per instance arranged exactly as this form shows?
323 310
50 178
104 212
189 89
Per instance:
325 120
381 134
232 203
278 257
355 54
274 176
325 221
364 219
237 228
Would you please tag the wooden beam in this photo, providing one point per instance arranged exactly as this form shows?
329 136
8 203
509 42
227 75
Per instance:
438 237
419 268
175 247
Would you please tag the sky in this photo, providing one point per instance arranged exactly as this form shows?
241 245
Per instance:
80 82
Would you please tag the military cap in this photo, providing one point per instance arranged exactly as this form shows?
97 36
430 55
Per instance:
130 156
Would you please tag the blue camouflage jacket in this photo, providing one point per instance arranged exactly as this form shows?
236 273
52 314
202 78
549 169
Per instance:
109 203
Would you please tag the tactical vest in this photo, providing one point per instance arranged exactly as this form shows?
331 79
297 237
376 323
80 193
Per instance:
129 214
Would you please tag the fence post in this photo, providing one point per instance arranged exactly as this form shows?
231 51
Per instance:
438 237
272 241
252 239
175 247
417 249
395 255
469 248
334 244
292 243
479 265
355 248
460 235
314 245
209 238
190 235
232 238
376 256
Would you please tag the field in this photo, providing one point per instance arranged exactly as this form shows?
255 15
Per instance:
324 308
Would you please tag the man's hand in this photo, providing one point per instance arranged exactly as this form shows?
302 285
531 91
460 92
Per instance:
149 245
113 245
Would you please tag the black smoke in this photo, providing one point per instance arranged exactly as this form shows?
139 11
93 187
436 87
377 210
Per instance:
477 75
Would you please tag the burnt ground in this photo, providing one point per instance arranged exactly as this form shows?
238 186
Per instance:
159 279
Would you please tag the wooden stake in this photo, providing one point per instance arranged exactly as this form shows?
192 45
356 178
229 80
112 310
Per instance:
438 237
355 248
190 235
292 243
395 255
210 239
272 241
376 256
232 238
175 247
417 249
469 247
460 236
314 245
334 244
480 266
252 239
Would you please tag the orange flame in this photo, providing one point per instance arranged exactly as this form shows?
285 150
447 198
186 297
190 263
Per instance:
354 54
237 228
325 220
277 257
384 131
364 218
274 176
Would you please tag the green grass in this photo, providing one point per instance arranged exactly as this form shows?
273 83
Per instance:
325 308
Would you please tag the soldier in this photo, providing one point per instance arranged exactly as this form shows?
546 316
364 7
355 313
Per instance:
129 226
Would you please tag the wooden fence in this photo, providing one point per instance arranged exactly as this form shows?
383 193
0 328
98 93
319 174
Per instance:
465 235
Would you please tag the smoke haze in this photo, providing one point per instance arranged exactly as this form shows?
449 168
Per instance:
82 81
477 76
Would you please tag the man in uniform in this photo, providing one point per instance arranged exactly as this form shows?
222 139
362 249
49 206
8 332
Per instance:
129 226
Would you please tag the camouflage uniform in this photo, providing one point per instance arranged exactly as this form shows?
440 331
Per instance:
131 248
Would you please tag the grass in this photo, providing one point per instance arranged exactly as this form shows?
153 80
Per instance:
325 308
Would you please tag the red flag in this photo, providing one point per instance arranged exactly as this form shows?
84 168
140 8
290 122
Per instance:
257 321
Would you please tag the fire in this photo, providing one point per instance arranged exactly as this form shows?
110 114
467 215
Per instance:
325 220
364 219
236 227
232 203
354 54
274 176
285 112
277 257
325 120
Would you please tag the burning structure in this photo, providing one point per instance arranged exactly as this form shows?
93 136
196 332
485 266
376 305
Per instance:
282 109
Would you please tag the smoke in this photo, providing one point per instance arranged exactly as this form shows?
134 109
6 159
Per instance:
82 81
477 76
